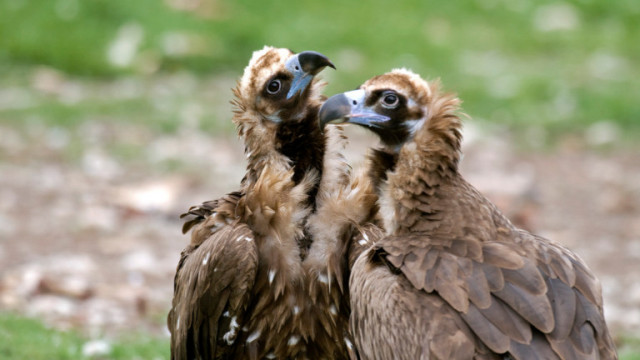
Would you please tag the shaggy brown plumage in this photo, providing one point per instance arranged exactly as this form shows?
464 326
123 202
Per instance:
453 278
252 284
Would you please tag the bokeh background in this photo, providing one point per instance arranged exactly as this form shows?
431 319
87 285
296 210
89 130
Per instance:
115 117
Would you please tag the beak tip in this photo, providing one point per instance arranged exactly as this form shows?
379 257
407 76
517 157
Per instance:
313 62
334 110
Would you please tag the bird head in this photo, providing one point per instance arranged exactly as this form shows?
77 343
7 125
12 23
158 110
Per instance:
276 109
401 108
277 85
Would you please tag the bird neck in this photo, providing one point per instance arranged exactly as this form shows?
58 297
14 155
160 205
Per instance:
425 194
303 143
380 163
287 156
415 190
424 180
295 144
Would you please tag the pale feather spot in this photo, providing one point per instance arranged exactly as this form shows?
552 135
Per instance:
178 323
230 336
411 149
206 258
274 117
253 336
365 237
333 310
296 310
215 269
226 314
323 278
272 275
270 355
349 344
240 237
353 193
299 115
293 340
245 328
363 242
248 238
414 125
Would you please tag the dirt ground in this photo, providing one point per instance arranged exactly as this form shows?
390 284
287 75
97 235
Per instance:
93 243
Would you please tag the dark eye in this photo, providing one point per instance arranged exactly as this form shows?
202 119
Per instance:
274 86
390 100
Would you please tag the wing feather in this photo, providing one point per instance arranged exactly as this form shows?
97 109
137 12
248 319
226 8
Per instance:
534 308
199 213
563 301
513 300
484 329
478 288
538 349
211 290
508 321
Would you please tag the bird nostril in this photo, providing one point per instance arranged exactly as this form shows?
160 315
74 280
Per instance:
355 102
297 68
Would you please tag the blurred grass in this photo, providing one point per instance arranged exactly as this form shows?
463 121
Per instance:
148 66
25 338
629 348
534 66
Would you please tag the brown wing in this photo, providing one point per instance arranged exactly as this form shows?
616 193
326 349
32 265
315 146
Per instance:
392 319
212 286
199 213
577 327
362 240
530 298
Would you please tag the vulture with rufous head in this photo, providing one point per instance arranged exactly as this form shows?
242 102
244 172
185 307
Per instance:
453 278
252 284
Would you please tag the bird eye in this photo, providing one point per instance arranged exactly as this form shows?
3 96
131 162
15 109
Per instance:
274 86
390 100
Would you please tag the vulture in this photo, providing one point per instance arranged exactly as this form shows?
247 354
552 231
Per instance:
452 278
253 283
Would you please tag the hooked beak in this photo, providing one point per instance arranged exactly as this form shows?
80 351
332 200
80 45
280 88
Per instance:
349 107
304 66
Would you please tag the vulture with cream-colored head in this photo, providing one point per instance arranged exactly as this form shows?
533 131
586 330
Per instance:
252 285
453 278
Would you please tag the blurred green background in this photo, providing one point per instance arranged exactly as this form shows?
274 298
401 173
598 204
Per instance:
543 70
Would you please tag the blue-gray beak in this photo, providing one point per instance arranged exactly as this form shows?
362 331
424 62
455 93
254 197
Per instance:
349 107
304 66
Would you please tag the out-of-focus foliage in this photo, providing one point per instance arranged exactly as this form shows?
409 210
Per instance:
24 338
99 83
629 348
540 66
